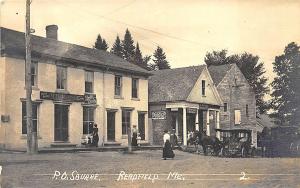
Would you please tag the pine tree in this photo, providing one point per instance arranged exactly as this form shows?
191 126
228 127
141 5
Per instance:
100 43
146 60
128 47
104 45
117 48
252 69
138 58
286 89
160 61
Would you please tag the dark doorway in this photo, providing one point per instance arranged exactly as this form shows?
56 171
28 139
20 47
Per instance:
201 120
111 126
61 116
142 126
190 120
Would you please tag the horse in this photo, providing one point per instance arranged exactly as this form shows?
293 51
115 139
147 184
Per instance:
205 141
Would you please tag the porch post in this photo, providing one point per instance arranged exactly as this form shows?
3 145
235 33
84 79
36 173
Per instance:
197 121
207 124
177 125
184 127
218 124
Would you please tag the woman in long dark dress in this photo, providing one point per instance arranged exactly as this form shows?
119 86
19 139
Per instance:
134 137
95 136
167 150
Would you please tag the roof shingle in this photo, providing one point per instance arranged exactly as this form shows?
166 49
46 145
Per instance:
173 84
14 41
218 72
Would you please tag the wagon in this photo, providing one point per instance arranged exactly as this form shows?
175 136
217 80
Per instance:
236 142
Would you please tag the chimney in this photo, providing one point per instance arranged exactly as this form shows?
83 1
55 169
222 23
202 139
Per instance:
51 31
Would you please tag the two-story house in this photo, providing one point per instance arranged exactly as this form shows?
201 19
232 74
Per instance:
183 99
73 88
239 105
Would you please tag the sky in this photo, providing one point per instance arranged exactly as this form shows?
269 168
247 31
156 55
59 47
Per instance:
186 30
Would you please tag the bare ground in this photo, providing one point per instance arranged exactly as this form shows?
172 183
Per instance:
22 170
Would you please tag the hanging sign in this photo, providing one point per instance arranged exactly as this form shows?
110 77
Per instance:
65 97
61 97
203 106
192 110
90 99
159 115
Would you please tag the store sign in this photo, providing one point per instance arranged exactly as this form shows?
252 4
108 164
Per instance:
87 98
159 115
90 99
203 106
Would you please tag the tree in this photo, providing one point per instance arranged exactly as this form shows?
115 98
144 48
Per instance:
252 69
286 90
160 61
138 58
146 63
100 43
117 48
216 58
128 47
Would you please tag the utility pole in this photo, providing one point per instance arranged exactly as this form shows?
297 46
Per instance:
31 134
129 140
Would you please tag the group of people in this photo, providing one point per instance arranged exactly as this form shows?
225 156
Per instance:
170 140
93 138
135 137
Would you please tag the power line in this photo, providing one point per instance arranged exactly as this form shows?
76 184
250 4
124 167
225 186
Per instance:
122 7
139 27
147 40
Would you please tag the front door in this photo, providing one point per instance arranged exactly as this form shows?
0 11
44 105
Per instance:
190 121
111 126
61 116
142 126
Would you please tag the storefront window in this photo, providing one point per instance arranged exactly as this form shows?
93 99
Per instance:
88 120
24 117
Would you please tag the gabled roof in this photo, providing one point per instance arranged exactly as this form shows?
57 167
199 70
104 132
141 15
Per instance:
173 84
14 42
218 72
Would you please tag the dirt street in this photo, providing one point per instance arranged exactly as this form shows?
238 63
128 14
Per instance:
145 169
